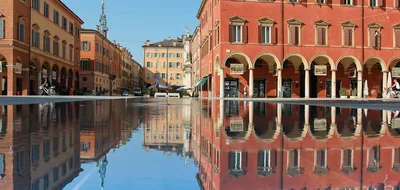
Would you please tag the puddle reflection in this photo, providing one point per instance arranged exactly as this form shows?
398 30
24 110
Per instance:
234 145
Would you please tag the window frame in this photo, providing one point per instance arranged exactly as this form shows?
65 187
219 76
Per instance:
322 24
396 28
377 28
237 21
351 26
294 23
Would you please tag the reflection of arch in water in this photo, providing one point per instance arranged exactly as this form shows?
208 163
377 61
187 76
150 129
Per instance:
232 133
295 132
321 132
347 129
268 132
373 131
394 131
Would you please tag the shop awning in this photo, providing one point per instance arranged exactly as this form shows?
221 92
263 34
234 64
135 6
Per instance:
202 81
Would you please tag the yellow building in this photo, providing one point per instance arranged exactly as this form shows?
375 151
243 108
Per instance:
163 62
55 45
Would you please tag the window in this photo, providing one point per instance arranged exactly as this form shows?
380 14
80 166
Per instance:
163 65
347 158
178 64
64 23
78 32
56 48
20 161
265 34
56 18
35 39
148 55
2 164
46 43
36 185
266 161
35 154
156 76
170 65
321 32
217 35
237 33
348 37
163 75
64 51
163 55
294 158
55 146
171 55
71 28
374 35
63 169
55 174
85 64
148 64
155 54
148 75
171 76
46 149
347 2
237 30
178 76
2 28
46 182
85 46
21 31
46 9
373 158
321 1
321 158
237 161
85 146
178 55
70 53
36 4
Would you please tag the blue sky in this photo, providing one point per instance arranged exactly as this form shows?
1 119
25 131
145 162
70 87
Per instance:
132 22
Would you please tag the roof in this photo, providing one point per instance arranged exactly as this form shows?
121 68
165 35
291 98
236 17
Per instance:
72 12
200 8
167 43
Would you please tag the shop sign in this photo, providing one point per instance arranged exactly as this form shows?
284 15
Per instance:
320 124
236 126
320 70
237 69
396 72
18 68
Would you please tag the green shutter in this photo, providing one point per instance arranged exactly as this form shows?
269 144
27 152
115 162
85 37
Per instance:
2 28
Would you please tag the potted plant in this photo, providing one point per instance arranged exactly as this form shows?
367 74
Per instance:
343 93
353 94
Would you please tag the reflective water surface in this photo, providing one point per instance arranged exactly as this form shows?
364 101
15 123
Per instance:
192 144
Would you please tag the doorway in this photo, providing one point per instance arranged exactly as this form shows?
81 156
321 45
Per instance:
231 88
329 88
259 88
287 88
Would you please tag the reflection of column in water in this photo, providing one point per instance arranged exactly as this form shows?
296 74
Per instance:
306 114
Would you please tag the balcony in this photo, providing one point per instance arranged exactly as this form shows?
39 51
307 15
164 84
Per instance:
321 170
265 171
294 171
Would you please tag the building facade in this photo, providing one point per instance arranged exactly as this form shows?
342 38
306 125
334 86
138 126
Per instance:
38 41
137 75
195 53
286 52
163 62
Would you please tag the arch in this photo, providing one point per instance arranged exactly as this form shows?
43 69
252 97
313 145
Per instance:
319 57
268 57
373 59
268 134
297 60
46 65
349 58
4 63
393 62
296 133
240 56
70 73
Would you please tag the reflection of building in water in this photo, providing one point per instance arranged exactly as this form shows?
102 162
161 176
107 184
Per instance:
268 146
38 146
100 128
166 130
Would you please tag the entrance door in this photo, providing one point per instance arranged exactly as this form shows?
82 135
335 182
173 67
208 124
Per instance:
287 88
259 88
329 88
231 87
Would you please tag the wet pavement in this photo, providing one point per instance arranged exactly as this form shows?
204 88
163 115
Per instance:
197 144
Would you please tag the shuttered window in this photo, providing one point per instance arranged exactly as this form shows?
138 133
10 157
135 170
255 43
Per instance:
347 157
348 37
321 36
396 156
374 38
36 4
294 158
2 28
321 158
35 39
21 32
397 38
236 33
46 10
294 35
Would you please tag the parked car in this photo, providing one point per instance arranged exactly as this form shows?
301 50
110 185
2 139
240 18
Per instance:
125 93
137 92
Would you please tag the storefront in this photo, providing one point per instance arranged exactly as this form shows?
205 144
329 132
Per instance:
259 88
231 87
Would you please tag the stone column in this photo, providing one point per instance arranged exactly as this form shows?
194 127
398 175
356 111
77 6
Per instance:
279 83
384 85
306 114
251 83
221 83
11 82
359 84
25 81
251 113
333 84
279 113
307 83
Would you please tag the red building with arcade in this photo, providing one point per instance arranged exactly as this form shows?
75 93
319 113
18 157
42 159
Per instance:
296 48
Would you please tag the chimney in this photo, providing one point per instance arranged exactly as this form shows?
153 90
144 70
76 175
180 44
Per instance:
147 43
97 28
105 34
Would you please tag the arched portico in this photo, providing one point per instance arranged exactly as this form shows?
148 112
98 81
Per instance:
375 77
266 67
55 74
292 65
3 74
350 70
393 67
46 70
33 76
77 80
323 72
237 75
63 77
70 78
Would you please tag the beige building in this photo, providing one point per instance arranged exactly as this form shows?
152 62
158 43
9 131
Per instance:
195 51
163 62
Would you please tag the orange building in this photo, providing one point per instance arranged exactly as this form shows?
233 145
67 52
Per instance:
269 146
336 45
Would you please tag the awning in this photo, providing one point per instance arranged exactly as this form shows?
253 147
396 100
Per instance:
202 81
